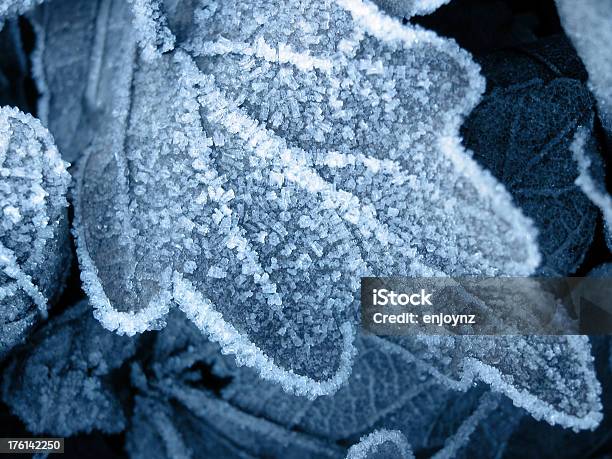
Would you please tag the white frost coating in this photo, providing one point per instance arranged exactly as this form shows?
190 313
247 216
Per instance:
204 315
408 8
588 23
517 349
33 229
369 444
356 170
538 408
596 193
10 266
154 35
15 7
281 55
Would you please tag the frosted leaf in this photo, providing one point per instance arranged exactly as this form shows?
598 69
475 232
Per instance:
408 8
150 24
278 198
66 32
590 179
522 132
551 377
34 247
61 382
196 424
589 26
381 444
14 7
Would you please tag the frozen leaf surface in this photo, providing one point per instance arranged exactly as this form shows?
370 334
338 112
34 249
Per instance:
64 70
522 132
552 377
381 444
34 252
61 382
232 175
589 25
15 7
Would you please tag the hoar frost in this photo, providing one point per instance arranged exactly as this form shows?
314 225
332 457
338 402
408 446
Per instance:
381 443
280 152
34 252
589 25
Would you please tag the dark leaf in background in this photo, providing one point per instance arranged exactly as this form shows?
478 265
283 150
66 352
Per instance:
522 131
61 382
199 393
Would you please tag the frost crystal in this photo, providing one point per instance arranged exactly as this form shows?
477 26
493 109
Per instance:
551 377
589 25
15 7
381 444
584 151
34 251
255 173
408 8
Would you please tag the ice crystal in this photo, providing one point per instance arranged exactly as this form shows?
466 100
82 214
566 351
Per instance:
408 8
14 7
381 444
59 383
590 179
256 162
589 25
34 252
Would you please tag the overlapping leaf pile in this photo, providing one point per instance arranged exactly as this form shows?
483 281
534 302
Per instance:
239 166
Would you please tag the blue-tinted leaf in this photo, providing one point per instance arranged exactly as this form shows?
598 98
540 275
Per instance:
589 25
382 390
34 247
210 244
61 382
381 444
522 131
